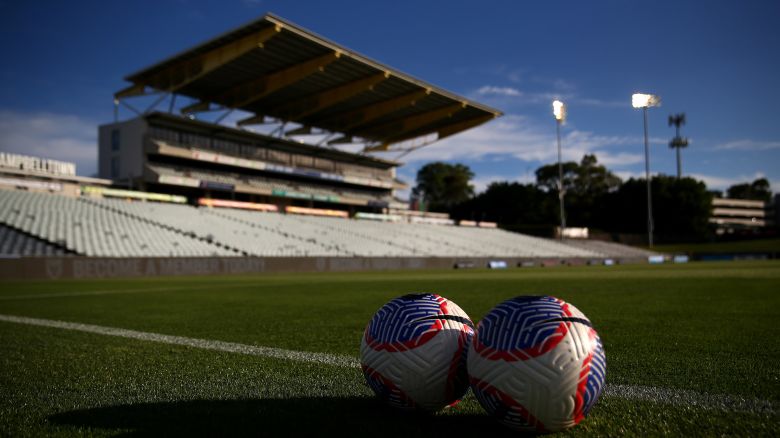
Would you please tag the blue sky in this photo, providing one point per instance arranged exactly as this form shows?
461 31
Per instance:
717 61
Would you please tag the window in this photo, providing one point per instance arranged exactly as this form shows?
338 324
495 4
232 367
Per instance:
114 167
278 157
115 139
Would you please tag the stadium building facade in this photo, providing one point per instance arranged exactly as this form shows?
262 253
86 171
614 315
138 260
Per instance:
277 73
161 152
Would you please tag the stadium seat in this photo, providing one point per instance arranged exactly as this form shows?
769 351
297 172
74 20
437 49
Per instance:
120 228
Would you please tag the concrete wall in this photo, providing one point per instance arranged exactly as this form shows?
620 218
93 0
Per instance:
131 149
36 268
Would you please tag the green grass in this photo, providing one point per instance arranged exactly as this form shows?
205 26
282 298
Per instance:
709 328
741 246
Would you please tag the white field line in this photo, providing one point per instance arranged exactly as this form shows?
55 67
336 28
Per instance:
684 397
230 347
670 396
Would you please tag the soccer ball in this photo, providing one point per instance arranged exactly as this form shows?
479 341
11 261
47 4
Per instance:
536 364
413 352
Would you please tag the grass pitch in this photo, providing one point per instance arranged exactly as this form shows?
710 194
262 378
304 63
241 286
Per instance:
701 329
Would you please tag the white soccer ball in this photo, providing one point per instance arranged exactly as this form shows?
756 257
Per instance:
413 352
536 364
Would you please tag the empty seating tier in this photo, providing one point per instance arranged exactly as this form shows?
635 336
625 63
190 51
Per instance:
89 229
17 243
121 228
610 249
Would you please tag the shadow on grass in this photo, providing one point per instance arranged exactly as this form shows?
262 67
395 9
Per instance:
347 416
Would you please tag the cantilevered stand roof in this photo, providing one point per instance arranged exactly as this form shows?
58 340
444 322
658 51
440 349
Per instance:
276 69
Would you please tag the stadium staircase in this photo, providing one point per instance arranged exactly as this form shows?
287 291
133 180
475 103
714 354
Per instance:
14 243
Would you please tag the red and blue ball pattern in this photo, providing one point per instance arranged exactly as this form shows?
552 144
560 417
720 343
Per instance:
537 364
413 352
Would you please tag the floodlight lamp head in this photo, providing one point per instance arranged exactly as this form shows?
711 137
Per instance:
559 110
640 100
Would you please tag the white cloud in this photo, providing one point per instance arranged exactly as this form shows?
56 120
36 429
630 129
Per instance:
724 182
513 136
713 182
563 84
564 91
482 182
500 91
717 182
625 175
47 135
498 95
585 101
619 159
749 145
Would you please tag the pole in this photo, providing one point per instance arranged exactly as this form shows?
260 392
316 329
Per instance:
560 178
649 196
679 166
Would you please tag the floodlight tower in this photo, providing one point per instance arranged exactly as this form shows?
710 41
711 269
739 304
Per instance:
559 111
678 142
644 101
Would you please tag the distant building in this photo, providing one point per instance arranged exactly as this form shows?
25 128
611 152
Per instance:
36 174
739 215
774 210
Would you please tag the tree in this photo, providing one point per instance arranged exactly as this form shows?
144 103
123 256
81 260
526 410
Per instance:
681 208
758 190
585 184
510 203
595 198
443 185
593 178
547 176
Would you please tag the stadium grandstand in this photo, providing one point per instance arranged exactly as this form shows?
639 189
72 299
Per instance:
172 185
293 83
